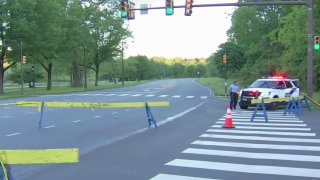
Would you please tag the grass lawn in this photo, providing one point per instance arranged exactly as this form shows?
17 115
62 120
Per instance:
16 93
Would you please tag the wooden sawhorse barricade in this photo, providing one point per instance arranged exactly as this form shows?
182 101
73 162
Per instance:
295 105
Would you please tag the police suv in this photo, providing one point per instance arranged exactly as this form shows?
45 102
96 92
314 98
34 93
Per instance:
270 87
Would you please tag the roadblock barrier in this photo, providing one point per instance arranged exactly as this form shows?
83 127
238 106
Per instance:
93 105
264 112
35 156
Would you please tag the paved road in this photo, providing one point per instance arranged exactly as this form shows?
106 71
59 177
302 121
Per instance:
195 147
91 129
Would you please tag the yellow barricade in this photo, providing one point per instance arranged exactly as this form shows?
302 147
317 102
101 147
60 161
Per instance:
270 100
39 156
92 104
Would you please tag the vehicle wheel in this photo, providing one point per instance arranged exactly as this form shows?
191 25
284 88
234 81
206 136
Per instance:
243 107
274 106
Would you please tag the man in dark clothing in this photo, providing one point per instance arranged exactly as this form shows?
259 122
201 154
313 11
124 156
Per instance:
234 94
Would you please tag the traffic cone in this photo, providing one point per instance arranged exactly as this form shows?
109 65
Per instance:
228 122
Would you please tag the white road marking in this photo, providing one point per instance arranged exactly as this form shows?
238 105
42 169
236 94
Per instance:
127 110
256 169
77 121
6 117
110 94
114 113
176 96
189 97
136 95
203 97
268 128
257 146
263 132
269 117
253 155
124 95
150 95
261 138
97 116
48 127
262 119
264 124
163 96
13 134
176 177
30 113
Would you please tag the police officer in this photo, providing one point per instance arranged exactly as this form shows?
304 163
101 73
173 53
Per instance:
234 94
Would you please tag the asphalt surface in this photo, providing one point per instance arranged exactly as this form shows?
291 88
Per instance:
190 143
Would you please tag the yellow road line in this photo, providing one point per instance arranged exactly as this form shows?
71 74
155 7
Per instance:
270 100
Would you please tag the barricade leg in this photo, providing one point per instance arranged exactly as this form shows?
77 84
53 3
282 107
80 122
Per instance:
41 115
150 116
255 113
5 172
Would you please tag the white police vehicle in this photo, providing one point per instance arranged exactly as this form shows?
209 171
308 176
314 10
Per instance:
270 87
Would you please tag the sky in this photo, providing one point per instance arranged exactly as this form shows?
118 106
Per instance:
195 36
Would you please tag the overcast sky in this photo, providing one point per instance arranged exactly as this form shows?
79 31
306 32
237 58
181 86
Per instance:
195 36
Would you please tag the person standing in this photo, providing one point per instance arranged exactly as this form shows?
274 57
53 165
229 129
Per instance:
234 94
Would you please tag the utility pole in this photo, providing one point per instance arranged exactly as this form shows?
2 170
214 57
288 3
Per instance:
310 49
21 67
122 69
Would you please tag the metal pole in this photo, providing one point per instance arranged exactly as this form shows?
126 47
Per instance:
33 77
122 78
21 68
85 68
310 49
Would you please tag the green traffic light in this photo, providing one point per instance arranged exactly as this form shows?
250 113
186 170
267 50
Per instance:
169 11
317 46
123 14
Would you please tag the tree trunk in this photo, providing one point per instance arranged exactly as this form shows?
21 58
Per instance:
49 83
97 75
76 75
1 77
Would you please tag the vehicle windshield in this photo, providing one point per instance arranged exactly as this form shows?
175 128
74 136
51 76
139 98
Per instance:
264 84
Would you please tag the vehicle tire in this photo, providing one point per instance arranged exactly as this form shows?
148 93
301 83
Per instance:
243 107
274 105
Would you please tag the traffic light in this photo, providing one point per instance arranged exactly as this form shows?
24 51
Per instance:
188 8
316 43
169 7
124 8
225 58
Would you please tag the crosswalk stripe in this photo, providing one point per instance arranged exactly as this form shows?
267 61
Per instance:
256 169
257 146
270 117
264 124
176 177
189 97
176 96
150 95
203 97
253 155
261 138
267 128
263 132
262 119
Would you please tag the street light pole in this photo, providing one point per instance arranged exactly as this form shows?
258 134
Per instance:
21 68
122 78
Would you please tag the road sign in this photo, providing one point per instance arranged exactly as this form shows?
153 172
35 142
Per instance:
144 9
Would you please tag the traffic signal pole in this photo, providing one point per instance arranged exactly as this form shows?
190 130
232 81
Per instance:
308 3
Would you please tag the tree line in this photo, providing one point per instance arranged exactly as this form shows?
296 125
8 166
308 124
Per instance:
266 40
